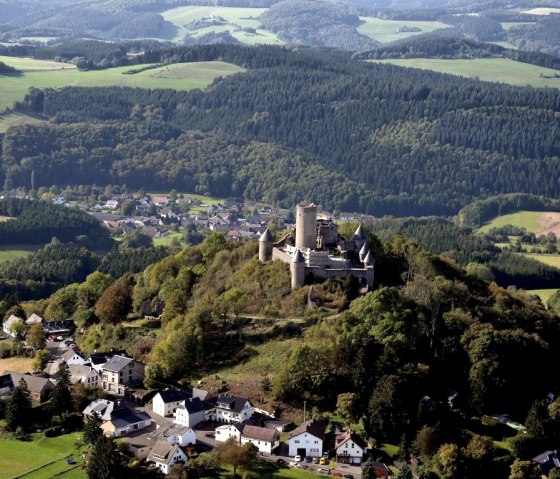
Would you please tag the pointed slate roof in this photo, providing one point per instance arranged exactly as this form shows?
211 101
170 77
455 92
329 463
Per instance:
266 237
369 259
360 234
298 257
364 251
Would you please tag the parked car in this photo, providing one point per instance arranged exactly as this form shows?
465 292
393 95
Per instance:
60 338
324 470
70 461
297 458
281 462
323 461
349 476
337 474
316 460
52 337
294 464
308 459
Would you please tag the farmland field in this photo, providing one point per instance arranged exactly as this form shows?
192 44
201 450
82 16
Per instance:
10 119
230 19
544 294
524 219
9 252
386 30
178 76
502 70
549 259
18 365
18 457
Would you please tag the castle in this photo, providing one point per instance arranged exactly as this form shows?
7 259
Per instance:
316 251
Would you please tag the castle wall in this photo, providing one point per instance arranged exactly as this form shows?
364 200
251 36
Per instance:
278 254
306 226
323 273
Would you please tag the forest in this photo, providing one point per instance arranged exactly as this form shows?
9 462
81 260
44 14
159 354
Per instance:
411 141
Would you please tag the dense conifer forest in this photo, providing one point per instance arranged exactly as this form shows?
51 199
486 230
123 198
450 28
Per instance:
411 142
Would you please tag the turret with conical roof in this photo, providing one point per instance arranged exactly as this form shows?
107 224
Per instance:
266 242
297 269
363 252
360 237
369 260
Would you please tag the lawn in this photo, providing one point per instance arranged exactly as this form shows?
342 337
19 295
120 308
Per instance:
502 70
524 219
10 119
268 470
235 19
544 294
386 30
549 259
17 458
9 252
18 365
177 76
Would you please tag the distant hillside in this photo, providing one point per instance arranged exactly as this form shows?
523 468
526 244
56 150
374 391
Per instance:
313 22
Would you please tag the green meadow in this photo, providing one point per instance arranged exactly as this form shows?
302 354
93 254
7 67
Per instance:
232 19
9 252
387 30
549 259
177 76
22 457
10 119
523 219
544 294
502 70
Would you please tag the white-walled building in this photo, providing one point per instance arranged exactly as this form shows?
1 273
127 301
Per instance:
190 413
165 455
165 403
230 409
265 439
223 433
350 448
85 375
307 439
120 372
10 324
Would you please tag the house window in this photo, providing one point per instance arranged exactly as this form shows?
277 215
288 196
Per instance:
297 441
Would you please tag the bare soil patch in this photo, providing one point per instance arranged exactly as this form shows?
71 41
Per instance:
550 222
18 365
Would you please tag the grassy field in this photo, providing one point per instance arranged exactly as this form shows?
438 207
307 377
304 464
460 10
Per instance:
17 365
10 119
502 70
549 259
9 252
525 219
178 76
544 294
18 457
32 65
235 19
386 30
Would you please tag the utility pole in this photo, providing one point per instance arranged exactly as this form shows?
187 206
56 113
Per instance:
304 410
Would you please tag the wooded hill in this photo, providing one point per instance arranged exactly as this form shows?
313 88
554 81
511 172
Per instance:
300 124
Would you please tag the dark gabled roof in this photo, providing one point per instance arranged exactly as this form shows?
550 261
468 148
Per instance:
314 427
172 395
259 433
6 381
194 405
548 460
35 384
117 363
233 403
125 416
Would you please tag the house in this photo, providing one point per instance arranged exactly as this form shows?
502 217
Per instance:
111 204
72 357
548 460
165 403
99 359
120 372
380 470
11 323
39 388
265 439
279 425
141 443
63 327
230 409
350 448
34 319
124 420
189 413
223 433
85 375
307 439
6 385
165 455
102 407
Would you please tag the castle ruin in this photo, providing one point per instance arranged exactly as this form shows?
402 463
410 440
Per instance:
315 251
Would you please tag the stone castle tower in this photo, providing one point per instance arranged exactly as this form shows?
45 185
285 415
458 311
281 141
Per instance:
306 226
266 243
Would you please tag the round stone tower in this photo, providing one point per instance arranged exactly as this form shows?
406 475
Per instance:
297 269
306 226
266 242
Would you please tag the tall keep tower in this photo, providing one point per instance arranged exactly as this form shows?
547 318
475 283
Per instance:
306 226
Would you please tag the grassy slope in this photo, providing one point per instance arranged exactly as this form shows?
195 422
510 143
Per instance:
526 219
10 119
9 252
179 76
549 259
235 17
501 70
544 294
385 30
18 457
